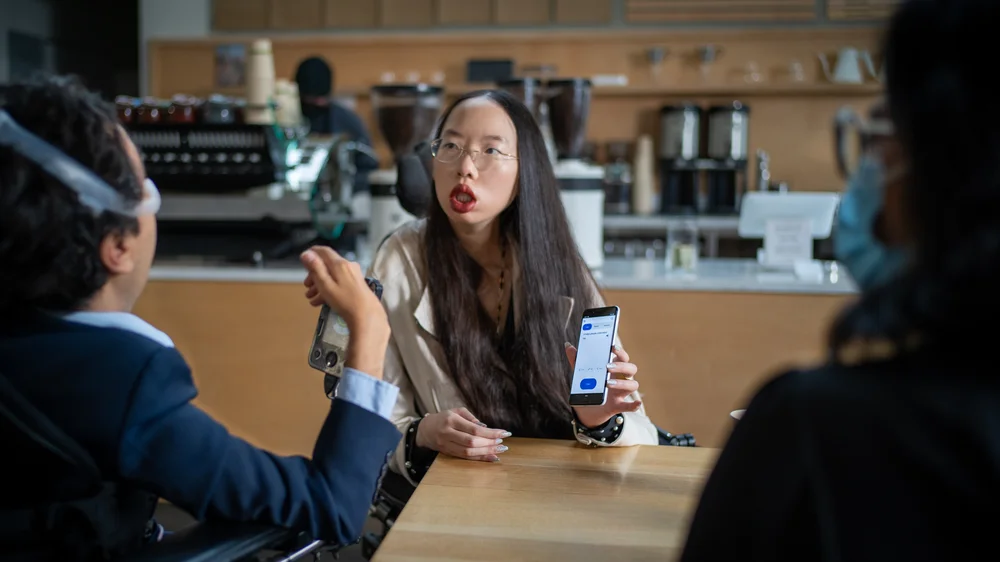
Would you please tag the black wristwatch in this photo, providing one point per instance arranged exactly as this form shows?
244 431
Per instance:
608 432
416 459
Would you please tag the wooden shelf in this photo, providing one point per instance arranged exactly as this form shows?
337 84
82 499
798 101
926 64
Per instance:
687 11
769 90
860 10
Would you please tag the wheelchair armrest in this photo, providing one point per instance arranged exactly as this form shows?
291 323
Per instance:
215 542
669 439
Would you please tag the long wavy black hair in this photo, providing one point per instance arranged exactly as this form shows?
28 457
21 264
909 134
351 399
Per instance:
943 107
531 393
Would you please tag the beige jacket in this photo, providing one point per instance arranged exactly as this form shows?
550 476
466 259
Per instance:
415 360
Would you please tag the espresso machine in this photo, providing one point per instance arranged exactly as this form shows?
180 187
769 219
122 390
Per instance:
406 115
680 149
581 182
728 139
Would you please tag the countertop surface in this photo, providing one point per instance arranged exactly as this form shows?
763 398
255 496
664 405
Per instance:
713 275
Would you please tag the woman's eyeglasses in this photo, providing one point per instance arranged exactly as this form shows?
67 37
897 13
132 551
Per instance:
854 136
448 152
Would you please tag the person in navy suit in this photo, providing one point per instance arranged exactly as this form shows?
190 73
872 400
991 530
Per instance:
77 240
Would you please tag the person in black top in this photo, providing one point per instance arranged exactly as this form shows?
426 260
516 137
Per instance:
891 450
315 80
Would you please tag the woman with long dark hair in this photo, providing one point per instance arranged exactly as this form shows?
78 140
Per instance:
891 450
483 296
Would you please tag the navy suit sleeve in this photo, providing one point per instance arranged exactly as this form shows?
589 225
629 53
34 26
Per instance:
180 453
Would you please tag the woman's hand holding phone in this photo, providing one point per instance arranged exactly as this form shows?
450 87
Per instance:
458 433
621 385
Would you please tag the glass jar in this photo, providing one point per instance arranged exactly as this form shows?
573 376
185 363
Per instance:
683 246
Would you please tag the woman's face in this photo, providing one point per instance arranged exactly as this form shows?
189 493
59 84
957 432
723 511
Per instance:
477 186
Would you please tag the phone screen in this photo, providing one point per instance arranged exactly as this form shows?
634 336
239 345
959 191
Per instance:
597 337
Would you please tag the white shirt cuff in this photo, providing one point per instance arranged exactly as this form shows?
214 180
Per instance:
365 391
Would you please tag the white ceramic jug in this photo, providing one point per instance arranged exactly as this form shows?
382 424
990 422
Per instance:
848 69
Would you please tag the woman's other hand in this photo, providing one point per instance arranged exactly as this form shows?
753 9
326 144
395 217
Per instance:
621 385
458 433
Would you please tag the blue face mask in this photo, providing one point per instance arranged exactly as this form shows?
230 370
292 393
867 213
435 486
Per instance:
868 261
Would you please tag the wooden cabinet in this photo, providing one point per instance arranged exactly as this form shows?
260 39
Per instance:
260 15
351 14
583 12
296 14
860 9
522 12
464 12
406 13
676 11
240 15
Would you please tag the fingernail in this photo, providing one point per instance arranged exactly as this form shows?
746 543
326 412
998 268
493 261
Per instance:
612 382
505 434
492 458
308 256
481 424
501 449
568 345
611 365
499 441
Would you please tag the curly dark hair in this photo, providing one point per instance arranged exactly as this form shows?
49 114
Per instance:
49 242
939 100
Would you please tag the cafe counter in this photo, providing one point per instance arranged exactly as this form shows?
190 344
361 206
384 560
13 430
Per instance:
703 341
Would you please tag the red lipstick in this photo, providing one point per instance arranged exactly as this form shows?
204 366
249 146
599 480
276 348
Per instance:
462 199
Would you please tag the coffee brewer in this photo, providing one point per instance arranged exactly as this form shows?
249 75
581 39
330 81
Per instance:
728 137
406 115
680 149
581 183
533 93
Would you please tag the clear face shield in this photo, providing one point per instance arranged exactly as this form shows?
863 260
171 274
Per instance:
92 191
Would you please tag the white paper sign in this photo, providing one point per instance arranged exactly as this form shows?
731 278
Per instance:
787 241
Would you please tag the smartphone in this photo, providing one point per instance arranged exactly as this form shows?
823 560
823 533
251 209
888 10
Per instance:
329 347
595 349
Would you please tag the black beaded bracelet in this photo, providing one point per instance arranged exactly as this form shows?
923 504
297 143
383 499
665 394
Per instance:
417 459
608 432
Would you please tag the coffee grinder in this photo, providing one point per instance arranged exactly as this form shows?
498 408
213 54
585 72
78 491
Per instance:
581 183
680 149
534 95
728 139
406 115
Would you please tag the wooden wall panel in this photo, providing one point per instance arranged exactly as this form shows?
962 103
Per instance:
240 15
406 13
351 14
296 14
860 9
523 12
464 12
583 12
674 11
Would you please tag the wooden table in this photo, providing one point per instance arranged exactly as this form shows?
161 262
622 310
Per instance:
553 500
